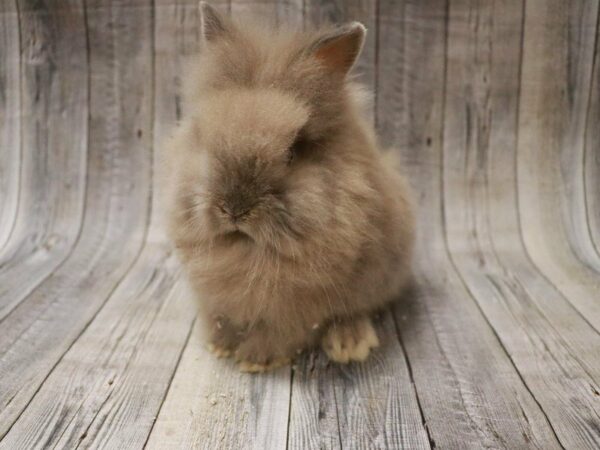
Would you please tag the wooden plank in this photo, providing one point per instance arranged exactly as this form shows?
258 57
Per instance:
592 144
48 322
210 403
579 34
53 92
314 406
10 118
330 402
474 397
259 9
290 13
534 323
390 96
553 148
177 40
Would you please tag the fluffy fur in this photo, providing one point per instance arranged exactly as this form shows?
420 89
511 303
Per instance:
291 224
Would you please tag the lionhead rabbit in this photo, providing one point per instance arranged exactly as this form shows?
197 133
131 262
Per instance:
291 224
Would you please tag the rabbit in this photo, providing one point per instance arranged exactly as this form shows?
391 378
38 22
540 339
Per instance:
293 227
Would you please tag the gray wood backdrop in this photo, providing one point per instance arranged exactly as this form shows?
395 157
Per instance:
495 109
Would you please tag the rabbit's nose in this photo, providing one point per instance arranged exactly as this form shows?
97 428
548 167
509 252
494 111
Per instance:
235 212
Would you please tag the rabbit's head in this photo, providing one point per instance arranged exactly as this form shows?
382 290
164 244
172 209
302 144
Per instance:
264 110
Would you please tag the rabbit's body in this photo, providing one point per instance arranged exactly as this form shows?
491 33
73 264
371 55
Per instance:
290 223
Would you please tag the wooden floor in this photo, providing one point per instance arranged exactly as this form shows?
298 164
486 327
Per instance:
495 108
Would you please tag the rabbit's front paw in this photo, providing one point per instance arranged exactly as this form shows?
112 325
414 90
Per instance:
224 337
253 367
255 354
219 352
350 341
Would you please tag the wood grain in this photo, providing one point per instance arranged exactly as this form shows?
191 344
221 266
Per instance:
479 193
53 94
117 192
329 402
485 404
10 118
551 172
53 139
591 156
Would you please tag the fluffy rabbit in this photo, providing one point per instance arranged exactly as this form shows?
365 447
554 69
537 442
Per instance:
291 224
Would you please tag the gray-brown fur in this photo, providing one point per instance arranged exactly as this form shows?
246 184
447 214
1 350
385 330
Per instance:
285 213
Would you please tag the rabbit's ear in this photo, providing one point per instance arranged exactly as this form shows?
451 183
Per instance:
339 49
214 26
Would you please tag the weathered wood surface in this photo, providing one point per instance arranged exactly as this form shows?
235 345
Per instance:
494 108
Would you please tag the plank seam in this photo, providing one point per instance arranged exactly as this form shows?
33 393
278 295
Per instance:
287 432
337 416
162 402
376 74
412 380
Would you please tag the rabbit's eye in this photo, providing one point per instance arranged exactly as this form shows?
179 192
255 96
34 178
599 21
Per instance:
296 148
